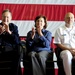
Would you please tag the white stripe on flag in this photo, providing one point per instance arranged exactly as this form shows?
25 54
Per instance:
25 26
72 2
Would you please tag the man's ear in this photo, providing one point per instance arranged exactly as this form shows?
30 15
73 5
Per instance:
11 17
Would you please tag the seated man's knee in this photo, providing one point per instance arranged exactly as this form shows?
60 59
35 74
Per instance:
66 54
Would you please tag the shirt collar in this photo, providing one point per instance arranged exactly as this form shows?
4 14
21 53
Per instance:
43 30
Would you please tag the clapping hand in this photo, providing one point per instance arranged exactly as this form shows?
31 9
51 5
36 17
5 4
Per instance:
33 32
6 25
2 29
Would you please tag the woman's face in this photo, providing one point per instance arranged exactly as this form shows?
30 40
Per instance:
40 23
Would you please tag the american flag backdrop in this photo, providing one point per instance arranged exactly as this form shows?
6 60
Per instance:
25 11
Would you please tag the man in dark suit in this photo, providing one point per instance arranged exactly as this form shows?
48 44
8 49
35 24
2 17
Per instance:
9 42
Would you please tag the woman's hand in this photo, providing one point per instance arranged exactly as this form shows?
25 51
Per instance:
33 32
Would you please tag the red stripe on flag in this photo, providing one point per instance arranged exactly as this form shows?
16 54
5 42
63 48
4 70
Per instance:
30 11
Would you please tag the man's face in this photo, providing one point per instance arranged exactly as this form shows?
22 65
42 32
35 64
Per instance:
69 18
6 17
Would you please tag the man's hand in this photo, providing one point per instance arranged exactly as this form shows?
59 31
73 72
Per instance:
2 29
72 50
7 27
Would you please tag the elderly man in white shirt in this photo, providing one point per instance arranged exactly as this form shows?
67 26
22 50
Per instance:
65 39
